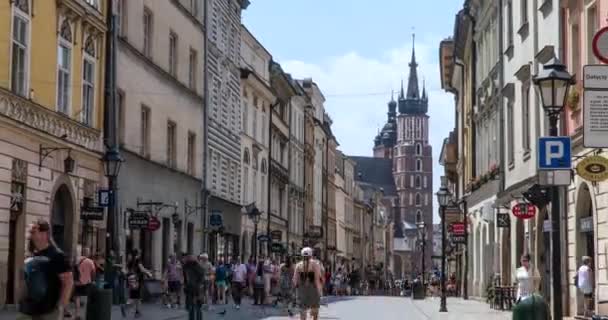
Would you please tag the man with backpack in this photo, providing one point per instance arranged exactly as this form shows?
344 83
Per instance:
48 276
84 273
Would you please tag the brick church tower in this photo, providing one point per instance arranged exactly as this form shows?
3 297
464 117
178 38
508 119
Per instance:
405 140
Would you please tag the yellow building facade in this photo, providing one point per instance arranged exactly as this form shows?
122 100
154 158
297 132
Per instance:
51 125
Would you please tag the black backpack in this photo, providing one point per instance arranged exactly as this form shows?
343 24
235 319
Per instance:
36 285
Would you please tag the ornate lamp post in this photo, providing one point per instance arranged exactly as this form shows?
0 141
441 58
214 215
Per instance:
553 84
443 197
254 214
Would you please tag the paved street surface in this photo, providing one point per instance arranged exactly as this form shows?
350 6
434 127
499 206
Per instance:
348 308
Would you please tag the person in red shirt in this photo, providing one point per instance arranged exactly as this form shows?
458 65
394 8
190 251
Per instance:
84 283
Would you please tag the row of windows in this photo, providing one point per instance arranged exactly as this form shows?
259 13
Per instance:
148 36
258 184
172 136
247 161
415 181
402 150
20 64
399 164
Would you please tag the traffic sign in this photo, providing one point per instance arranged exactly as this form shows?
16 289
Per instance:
600 45
153 224
104 198
263 238
595 114
554 153
594 168
524 211
215 219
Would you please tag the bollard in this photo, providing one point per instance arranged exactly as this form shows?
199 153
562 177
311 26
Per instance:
99 304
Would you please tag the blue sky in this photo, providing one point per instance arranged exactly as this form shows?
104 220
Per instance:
357 51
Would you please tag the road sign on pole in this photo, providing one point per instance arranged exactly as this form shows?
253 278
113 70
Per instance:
595 106
554 153
600 44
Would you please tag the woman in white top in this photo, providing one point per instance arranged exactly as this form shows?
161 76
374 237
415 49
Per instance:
527 278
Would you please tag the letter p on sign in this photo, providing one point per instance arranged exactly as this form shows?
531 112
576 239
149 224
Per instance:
554 153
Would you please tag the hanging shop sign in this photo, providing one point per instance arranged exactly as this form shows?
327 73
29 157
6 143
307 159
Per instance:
524 211
139 220
263 238
503 220
277 248
458 239
458 229
593 168
315 232
276 235
153 224
91 213
215 219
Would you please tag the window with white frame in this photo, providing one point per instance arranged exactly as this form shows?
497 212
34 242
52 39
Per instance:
93 3
418 165
20 48
193 68
64 67
173 53
148 21
418 200
88 81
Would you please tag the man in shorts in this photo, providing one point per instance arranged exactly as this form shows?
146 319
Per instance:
173 278
86 274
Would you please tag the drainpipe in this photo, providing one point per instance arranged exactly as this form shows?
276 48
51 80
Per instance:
205 191
289 206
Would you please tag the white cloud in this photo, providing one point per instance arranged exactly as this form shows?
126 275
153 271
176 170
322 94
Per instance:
358 88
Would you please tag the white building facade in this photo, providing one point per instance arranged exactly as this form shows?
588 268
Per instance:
256 97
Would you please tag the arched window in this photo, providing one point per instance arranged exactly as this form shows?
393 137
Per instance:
64 67
88 81
246 157
417 184
418 200
418 149
418 216
418 165
264 166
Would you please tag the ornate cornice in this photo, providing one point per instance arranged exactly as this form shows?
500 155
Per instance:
40 118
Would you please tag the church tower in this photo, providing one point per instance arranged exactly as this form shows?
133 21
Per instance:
412 157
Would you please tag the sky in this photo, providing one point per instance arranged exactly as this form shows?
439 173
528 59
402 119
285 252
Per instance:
358 51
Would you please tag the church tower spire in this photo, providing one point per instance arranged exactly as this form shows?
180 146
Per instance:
412 85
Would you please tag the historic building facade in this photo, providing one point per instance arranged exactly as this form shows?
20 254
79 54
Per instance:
160 65
222 179
256 99
51 120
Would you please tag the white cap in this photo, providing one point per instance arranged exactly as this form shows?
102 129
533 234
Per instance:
307 252
203 256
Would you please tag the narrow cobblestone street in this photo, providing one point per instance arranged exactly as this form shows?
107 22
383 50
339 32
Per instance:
351 308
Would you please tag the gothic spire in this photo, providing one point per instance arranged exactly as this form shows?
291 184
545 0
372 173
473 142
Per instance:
402 93
423 89
412 85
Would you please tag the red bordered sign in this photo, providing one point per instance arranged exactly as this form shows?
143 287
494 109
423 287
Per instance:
524 211
600 45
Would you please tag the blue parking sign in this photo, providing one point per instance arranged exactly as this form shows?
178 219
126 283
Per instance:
554 153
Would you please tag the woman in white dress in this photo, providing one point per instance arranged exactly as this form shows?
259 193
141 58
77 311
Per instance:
527 278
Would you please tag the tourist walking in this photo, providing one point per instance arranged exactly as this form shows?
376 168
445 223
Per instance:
239 281
584 282
259 292
194 277
221 278
173 279
136 272
307 280
47 274
286 283
207 284
84 274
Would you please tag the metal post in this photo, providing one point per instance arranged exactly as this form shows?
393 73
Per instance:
255 242
555 236
465 290
443 307
423 255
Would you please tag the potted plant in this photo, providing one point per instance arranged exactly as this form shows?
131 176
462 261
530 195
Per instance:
574 98
484 178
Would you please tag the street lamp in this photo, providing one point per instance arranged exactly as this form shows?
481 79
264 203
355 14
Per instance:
443 197
553 85
422 243
254 214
